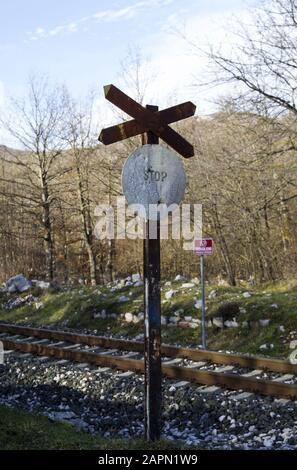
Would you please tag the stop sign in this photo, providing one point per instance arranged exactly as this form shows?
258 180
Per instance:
152 174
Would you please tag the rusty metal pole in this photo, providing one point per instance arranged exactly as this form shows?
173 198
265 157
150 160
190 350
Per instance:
152 319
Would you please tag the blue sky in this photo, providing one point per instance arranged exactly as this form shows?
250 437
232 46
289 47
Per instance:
82 43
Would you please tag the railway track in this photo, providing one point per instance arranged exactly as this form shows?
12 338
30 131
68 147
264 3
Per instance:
271 377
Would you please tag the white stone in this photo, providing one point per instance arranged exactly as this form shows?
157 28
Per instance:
41 284
18 284
138 284
293 344
136 277
39 305
212 294
179 312
103 313
242 310
163 320
218 321
173 320
263 347
231 324
167 284
269 442
188 319
265 322
129 317
223 283
246 295
274 306
179 277
281 328
124 298
170 294
62 415
188 285
198 304
141 316
135 319
221 418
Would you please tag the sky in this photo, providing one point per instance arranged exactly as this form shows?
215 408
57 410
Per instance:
83 43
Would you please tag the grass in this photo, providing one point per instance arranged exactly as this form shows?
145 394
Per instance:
20 430
75 308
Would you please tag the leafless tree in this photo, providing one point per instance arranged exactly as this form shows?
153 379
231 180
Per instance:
263 58
80 143
36 125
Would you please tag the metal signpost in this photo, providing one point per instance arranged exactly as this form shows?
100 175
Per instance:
148 179
203 247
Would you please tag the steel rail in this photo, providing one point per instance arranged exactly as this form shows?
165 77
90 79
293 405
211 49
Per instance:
249 362
230 381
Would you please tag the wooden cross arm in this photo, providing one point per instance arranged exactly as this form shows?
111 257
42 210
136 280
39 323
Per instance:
128 129
149 120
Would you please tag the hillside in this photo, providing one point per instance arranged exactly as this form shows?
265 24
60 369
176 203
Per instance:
261 320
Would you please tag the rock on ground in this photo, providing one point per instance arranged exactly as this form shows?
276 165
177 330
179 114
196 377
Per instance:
179 277
246 295
170 294
18 283
80 396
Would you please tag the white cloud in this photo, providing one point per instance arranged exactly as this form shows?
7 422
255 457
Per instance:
110 15
174 66
178 65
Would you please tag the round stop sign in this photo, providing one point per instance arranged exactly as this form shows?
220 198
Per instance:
153 175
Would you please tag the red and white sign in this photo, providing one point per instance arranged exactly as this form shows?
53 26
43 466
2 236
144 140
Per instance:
203 246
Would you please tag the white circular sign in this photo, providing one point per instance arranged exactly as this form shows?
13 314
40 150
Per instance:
153 175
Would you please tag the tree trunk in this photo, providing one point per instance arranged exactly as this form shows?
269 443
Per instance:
48 235
224 249
86 229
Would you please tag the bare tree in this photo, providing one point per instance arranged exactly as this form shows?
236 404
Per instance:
36 125
79 138
263 58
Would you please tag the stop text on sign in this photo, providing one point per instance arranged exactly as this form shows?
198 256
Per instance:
152 175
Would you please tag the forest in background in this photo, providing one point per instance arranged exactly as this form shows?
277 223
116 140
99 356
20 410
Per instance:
243 173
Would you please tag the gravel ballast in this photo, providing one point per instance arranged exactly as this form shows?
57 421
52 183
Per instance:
111 403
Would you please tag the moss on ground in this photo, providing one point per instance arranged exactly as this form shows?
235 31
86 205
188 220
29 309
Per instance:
75 308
